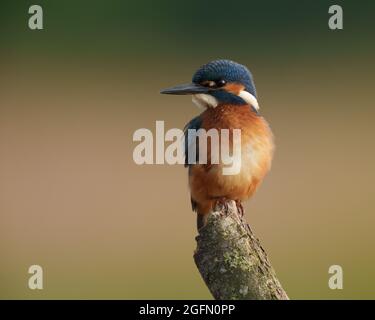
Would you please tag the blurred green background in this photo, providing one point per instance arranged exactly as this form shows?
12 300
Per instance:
73 201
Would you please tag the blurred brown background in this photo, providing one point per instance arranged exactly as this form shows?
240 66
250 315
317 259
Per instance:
73 201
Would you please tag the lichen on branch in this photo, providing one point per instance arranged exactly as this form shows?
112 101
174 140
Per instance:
231 260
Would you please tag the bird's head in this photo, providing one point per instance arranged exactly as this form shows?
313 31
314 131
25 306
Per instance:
219 82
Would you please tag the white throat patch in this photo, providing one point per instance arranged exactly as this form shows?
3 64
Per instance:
249 98
203 101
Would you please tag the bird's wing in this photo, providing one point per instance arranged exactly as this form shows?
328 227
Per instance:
190 142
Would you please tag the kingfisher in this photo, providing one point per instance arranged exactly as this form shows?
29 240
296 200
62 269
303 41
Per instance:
225 90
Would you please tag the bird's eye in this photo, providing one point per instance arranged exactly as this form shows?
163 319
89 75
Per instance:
220 83
214 84
210 84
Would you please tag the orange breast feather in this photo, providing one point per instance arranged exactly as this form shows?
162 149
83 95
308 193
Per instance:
207 181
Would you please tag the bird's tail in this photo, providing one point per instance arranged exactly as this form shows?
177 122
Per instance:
203 211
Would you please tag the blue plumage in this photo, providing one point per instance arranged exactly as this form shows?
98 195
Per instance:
226 69
195 124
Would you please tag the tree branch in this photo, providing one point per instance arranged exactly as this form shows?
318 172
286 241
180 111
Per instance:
231 260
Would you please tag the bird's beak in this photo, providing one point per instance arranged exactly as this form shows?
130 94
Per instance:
190 88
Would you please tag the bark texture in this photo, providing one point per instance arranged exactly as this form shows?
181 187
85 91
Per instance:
231 260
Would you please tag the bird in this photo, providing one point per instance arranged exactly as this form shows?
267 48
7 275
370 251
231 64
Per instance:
226 92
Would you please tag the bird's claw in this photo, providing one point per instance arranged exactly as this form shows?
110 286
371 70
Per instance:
223 203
